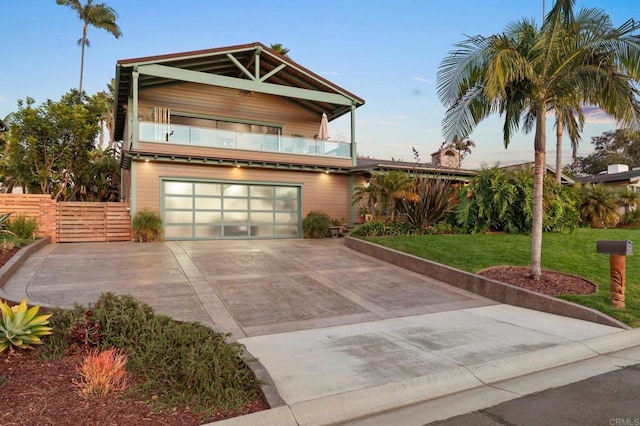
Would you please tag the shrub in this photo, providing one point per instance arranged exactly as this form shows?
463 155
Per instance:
433 197
21 326
502 200
23 227
368 229
176 363
147 226
316 225
633 217
102 373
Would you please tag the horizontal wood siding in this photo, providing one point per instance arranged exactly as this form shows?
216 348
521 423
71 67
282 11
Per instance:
320 191
84 222
230 103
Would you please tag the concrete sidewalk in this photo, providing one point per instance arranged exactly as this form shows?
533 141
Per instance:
341 334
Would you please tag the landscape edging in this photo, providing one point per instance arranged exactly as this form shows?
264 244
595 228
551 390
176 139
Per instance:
491 289
8 269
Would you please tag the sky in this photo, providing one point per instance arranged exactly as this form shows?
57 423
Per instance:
386 52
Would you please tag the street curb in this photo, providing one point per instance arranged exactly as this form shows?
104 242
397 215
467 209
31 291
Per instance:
372 401
491 289
9 268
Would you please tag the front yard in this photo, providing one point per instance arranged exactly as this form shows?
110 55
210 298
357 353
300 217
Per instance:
572 253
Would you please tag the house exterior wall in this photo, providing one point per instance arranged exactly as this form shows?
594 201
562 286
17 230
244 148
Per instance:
221 102
320 191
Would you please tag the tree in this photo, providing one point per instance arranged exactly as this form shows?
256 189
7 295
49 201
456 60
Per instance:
598 206
96 15
526 71
621 146
50 145
279 49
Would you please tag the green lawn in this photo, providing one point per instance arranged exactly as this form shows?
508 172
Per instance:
573 253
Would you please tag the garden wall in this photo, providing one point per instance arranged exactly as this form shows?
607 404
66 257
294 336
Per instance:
71 221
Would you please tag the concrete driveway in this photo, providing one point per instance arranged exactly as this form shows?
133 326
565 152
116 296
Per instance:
248 288
341 334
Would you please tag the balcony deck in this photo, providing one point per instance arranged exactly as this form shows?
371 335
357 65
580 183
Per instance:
217 138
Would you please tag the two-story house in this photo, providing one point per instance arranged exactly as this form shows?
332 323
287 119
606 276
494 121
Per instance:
225 142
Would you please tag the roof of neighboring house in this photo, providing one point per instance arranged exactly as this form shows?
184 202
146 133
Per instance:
550 170
628 177
373 164
232 64
3 127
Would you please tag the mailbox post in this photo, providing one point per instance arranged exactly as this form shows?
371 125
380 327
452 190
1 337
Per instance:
617 251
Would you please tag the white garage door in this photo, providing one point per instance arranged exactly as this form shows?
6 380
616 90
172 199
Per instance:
216 210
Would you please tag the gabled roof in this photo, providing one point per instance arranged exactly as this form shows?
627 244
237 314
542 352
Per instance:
251 67
370 165
632 176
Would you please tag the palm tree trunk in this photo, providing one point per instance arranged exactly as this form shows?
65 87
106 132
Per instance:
538 182
82 43
559 130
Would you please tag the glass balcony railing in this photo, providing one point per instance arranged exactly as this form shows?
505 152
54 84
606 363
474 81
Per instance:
217 138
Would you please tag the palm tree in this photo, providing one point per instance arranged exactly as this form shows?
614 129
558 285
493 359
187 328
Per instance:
97 15
598 206
463 146
279 49
526 71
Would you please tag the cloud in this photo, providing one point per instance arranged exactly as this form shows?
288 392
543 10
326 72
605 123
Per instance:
422 79
594 115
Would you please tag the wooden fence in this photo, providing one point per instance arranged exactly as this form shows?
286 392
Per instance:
71 221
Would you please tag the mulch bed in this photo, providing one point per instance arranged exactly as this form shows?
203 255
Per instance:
550 283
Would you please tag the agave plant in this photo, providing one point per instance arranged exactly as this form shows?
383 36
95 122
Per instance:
21 326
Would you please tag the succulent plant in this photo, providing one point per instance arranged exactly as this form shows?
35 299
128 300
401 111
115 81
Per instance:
21 326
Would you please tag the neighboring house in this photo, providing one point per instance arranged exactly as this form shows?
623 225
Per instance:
617 175
368 166
224 142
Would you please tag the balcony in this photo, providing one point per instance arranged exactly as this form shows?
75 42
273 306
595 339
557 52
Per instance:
217 138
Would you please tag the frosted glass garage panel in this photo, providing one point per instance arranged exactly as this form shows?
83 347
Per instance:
236 191
236 216
261 217
262 191
178 216
261 204
208 189
178 188
286 192
208 231
235 203
208 203
208 217
178 202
